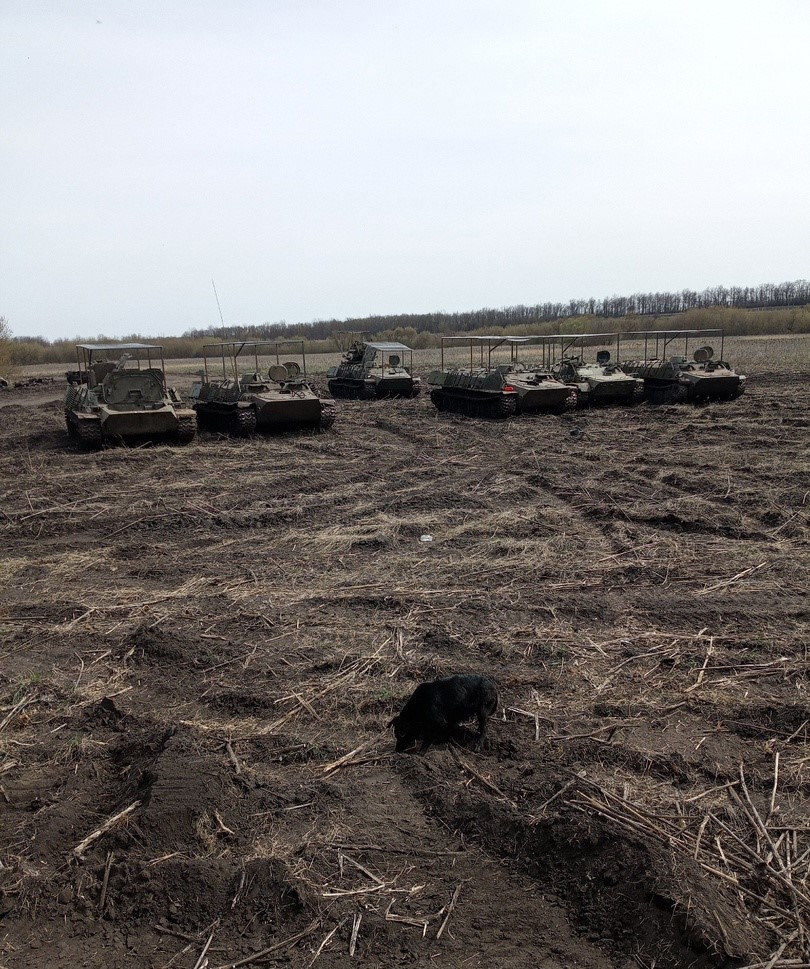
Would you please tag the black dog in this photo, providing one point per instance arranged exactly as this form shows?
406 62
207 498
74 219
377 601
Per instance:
436 708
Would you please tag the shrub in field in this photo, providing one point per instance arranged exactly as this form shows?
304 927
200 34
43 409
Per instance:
6 358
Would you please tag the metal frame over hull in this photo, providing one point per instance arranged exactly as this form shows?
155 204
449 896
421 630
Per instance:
277 398
364 373
123 399
677 379
492 388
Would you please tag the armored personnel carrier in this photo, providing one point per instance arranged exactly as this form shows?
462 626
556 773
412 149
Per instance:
599 382
373 369
496 389
676 379
119 393
268 396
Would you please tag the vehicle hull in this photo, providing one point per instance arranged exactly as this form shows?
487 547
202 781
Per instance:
291 407
668 382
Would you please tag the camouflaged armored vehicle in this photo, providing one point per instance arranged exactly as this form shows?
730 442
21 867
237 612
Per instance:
373 369
601 382
677 379
269 395
119 393
596 382
496 389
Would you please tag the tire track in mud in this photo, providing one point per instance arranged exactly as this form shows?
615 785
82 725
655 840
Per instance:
274 594
609 886
168 770
392 817
396 824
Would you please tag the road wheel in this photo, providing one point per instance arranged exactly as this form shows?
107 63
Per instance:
186 429
90 435
328 415
243 422
507 405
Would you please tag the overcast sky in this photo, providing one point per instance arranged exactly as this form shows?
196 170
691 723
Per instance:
337 158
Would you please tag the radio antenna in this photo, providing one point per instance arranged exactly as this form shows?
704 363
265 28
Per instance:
218 306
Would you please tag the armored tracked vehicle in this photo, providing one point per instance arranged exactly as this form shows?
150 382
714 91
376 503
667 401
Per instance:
599 382
271 395
119 393
494 389
676 379
373 369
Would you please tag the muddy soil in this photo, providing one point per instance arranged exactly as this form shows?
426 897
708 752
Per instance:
213 638
33 395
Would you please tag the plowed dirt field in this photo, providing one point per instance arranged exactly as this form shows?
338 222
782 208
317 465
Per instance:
213 638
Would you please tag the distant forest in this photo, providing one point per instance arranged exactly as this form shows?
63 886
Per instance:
765 309
765 296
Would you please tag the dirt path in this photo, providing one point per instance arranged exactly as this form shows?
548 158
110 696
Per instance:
20 399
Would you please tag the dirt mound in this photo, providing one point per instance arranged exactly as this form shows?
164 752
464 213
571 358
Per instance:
152 644
190 892
627 893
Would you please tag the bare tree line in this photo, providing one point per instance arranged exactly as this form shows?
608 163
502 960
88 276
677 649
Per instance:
764 296
764 309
